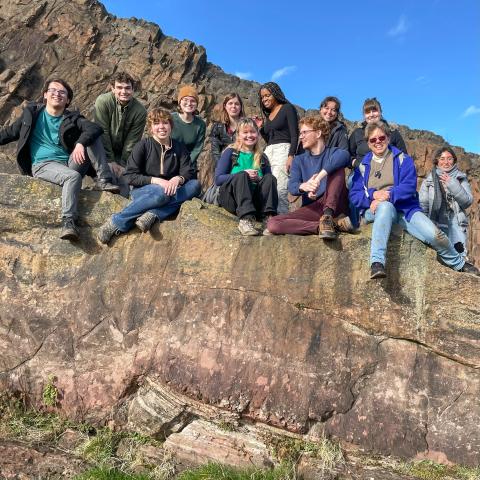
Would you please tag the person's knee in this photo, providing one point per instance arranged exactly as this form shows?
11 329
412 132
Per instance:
194 188
74 177
385 209
273 225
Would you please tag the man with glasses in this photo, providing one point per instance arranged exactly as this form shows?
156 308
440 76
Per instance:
122 118
59 146
317 175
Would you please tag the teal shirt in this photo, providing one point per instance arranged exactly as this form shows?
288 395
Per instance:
245 162
45 142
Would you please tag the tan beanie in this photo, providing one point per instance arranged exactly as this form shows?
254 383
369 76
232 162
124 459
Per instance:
187 91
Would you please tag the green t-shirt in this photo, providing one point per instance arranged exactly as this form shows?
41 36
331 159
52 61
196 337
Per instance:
245 162
45 142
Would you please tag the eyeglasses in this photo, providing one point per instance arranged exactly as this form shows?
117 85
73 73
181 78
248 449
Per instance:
62 93
380 139
304 132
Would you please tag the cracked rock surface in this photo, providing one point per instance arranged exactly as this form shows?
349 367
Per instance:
159 329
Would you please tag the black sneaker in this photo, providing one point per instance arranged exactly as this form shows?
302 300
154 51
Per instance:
377 270
69 229
469 268
106 186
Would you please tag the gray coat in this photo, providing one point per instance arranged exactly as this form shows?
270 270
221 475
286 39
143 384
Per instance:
458 187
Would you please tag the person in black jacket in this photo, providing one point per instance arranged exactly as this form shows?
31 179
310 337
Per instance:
59 146
226 116
161 173
330 111
358 146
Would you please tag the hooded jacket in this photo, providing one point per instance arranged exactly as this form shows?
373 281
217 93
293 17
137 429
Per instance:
403 194
75 128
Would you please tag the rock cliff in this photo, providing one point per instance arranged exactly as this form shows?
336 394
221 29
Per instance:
81 42
194 321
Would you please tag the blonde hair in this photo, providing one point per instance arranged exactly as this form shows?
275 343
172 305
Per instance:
237 145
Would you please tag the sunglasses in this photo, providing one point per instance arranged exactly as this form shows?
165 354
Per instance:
380 139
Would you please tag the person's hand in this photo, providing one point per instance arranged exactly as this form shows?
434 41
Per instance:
374 205
172 186
311 185
78 154
444 178
312 195
159 181
117 169
381 195
252 174
258 121
288 165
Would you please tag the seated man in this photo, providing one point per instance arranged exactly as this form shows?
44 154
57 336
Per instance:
59 146
122 118
318 175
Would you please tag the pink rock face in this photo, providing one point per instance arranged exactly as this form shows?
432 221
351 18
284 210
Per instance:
286 331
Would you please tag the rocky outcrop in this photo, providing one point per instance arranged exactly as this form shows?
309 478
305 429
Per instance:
82 42
285 331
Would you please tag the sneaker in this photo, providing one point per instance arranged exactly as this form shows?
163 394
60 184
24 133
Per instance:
326 228
69 229
470 268
245 225
145 221
107 231
344 224
266 232
106 186
377 270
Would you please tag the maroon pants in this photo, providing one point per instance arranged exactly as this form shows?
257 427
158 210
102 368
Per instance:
304 221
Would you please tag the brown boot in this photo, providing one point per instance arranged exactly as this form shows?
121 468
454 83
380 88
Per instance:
326 228
344 224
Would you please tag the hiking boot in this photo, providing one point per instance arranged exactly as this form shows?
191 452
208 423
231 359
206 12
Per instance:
344 224
106 186
245 225
377 270
145 221
69 229
107 231
326 228
469 268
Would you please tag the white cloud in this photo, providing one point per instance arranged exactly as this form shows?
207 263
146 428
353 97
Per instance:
471 110
400 28
422 80
243 75
281 72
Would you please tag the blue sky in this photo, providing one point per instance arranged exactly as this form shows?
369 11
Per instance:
420 58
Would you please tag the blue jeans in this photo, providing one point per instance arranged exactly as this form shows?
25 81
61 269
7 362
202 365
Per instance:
420 226
455 233
152 198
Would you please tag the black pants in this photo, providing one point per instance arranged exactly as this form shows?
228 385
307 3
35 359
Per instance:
237 197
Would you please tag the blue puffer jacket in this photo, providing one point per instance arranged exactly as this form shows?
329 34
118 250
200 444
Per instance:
403 194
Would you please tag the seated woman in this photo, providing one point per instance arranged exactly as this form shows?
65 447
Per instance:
329 111
226 116
384 189
444 197
160 171
318 175
247 187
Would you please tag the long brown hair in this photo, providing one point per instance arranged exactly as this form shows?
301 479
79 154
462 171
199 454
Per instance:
237 145
219 112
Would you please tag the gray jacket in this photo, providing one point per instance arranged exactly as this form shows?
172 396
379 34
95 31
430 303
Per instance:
458 187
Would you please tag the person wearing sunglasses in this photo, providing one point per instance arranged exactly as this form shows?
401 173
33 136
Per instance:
384 188
59 146
444 197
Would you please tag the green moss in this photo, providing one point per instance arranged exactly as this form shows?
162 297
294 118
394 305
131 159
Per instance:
103 473
50 392
427 470
215 471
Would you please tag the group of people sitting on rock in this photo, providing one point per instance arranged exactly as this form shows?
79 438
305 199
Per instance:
303 158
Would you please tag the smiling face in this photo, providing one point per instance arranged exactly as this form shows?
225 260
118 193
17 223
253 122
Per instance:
268 100
123 92
188 105
233 107
329 112
378 142
56 96
161 131
248 137
445 161
372 115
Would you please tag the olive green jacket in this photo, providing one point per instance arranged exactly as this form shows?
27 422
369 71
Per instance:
123 126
